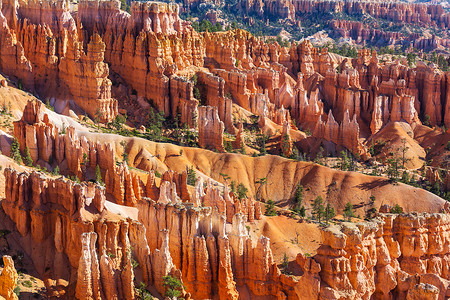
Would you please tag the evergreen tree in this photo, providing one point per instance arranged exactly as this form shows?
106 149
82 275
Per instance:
124 153
191 176
15 151
302 212
285 264
98 175
344 164
155 124
392 168
298 196
318 209
372 211
241 191
233 187
285 145
329 213
174 287
298 200
28 160
397 209
55 171
348 211
270 208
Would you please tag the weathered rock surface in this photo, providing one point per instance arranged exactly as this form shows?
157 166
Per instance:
43 50
155 54
386 257
8 279
210 133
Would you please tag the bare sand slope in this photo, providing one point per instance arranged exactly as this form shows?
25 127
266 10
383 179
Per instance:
399 137
336 187
288 236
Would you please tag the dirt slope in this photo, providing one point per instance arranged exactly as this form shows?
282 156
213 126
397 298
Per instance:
336 187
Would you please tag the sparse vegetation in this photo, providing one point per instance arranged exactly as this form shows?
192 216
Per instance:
142 293
329 213
27 283
174 287
285 265
124 145
270 208
98 175
396 209
27 157
318 209
348 211
191 176
298 201
15 151
241 191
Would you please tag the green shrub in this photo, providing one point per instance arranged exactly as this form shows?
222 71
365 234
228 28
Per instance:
27 159
27 283
191 176
98 175
15 151
285 265
397 209
241 191
348 211
174 287
17 291
142 292
270 208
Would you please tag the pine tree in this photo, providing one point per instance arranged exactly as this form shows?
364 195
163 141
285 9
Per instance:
191 176
318 208
329 213
298 200
241 191
270 208
98 175
302 212
124 145
28 160
15 151
348 211
397 209
285 264
233 187
55 171
173 286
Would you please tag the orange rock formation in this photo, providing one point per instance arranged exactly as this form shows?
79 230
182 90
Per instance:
8 279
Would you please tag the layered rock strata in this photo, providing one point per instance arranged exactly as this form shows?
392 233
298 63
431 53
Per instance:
43 50
154 53
385 258
82 232
210 129
413 13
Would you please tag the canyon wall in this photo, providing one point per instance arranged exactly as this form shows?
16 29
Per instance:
382 258
49 58
374 35
153 55
413 13
387 257
82 230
